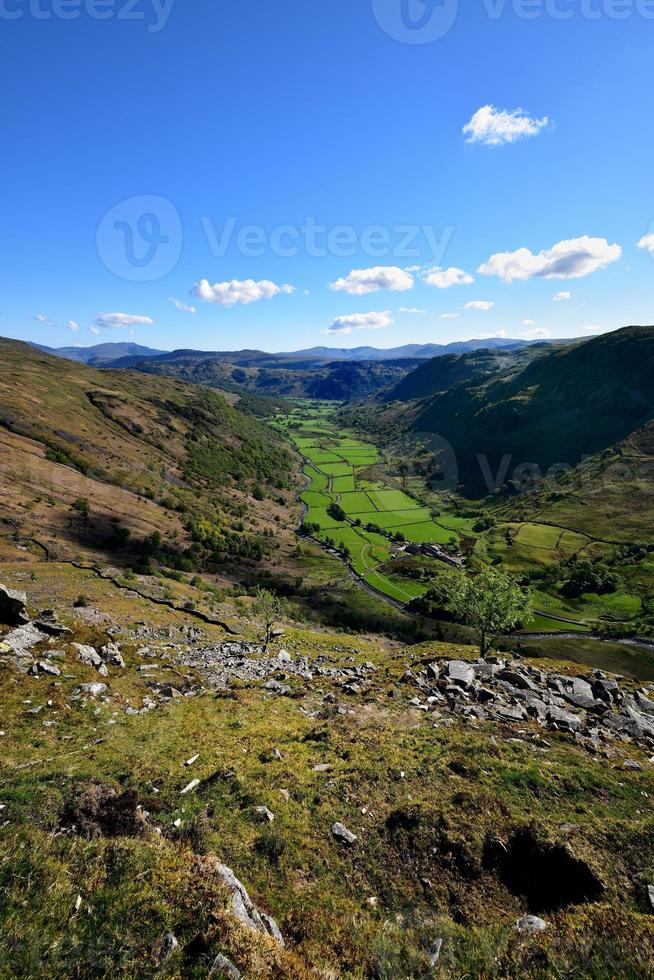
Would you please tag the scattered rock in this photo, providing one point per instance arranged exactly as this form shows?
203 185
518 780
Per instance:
343 834
94 690
264 814
650 897
48 623
223 967
45 667
167 947
191 786
459 672
244 908
24 638
530 924
435 952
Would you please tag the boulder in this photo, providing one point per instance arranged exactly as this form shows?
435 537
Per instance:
264 814
460 673
530 924
24 638
13 607
341 833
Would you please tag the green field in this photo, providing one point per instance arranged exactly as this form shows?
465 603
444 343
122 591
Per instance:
335 462
336 468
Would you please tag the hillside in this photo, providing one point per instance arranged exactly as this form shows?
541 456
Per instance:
101 461
563 404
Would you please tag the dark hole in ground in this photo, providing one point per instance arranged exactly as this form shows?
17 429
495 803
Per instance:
100 811
548 876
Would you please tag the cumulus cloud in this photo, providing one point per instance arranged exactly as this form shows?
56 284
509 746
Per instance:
647 243
42 318
73 326
121 321
495 127
450 316
570 259
360 282
560 297
239 291
411 309
183 307
444 278
536 333
360 321
95 330
479 304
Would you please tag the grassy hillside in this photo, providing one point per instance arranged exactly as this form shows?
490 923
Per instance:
103 855
103 461
564 404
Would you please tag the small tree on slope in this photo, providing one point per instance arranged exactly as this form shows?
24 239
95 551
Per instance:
492 603
267 611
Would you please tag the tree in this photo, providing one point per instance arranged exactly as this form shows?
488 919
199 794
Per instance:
267 611
492 603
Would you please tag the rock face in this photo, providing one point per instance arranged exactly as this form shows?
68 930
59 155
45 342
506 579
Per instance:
245 909
595 709
13 607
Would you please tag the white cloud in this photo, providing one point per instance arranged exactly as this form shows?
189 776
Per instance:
360 321
560 297
495 127
411 309
479 304
95 330
536 333
444 278
42 318
498 335
570 259
183 307
73 326
647 243
121 321
450 316
239 291
529 323
360 282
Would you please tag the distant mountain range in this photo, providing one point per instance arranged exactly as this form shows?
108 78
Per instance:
99 353
111 353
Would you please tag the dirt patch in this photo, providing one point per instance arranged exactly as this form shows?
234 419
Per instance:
548 876
100 811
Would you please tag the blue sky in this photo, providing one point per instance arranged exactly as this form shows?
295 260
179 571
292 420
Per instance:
128 143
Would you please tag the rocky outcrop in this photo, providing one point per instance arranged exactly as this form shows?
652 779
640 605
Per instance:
13 607
244 908
596 708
